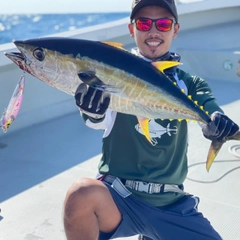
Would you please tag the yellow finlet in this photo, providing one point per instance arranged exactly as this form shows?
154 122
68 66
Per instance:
189 96
207 112
182 90
162 65
175 83
196 102
201 107
114 44
143 122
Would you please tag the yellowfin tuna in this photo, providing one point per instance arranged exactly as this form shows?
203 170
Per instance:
136 87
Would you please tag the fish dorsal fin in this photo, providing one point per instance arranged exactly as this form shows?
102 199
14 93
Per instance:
114 44
162 65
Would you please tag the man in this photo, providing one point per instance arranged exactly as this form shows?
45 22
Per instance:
140 189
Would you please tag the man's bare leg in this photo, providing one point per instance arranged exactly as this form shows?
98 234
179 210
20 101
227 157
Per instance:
88 209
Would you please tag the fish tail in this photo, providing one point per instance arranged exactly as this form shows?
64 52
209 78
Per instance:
215 148
213 152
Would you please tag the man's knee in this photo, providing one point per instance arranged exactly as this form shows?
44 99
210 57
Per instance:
80 197
90 199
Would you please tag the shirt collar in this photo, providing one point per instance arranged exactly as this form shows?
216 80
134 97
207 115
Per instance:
169 56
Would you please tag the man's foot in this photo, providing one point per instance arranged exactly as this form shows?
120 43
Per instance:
141 237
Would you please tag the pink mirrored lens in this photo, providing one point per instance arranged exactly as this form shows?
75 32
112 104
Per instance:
164 25
144 24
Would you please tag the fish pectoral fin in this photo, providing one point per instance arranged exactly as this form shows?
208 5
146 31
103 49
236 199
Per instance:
143 123
115 44
212 153
89 77
162 65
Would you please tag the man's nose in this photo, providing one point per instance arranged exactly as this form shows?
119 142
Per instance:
153 31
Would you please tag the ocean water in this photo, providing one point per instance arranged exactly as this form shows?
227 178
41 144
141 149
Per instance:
19 26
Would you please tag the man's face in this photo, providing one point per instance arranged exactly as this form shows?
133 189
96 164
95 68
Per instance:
153 43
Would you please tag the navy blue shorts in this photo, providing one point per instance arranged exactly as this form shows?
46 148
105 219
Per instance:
180 220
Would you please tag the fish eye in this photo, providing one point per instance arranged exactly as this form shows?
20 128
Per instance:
39 54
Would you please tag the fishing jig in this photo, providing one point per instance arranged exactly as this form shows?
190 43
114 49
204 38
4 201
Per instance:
11 112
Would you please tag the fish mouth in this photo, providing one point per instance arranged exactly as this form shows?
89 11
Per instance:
19 58
15 56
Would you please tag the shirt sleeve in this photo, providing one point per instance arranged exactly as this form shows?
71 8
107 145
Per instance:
95 123
200 91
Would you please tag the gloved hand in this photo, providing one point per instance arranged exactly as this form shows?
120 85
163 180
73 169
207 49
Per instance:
91 101
220 128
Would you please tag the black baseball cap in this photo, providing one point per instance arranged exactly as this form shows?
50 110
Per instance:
167 4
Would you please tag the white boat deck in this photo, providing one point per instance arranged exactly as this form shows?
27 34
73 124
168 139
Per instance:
39 163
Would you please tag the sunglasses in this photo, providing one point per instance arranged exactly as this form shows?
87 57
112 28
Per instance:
162 24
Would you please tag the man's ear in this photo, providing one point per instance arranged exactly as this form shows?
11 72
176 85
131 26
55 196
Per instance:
130 28
176 29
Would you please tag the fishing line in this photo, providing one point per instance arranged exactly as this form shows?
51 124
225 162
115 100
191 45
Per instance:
233 150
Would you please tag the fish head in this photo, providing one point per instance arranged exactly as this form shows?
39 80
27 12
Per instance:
52 61
30 58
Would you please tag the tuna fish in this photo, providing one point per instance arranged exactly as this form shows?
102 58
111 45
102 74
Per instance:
136 87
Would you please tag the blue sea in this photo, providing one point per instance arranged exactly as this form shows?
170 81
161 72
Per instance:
19 26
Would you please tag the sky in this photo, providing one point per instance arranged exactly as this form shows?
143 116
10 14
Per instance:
64 6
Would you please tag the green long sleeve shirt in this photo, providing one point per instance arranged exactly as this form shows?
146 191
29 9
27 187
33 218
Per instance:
127 154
